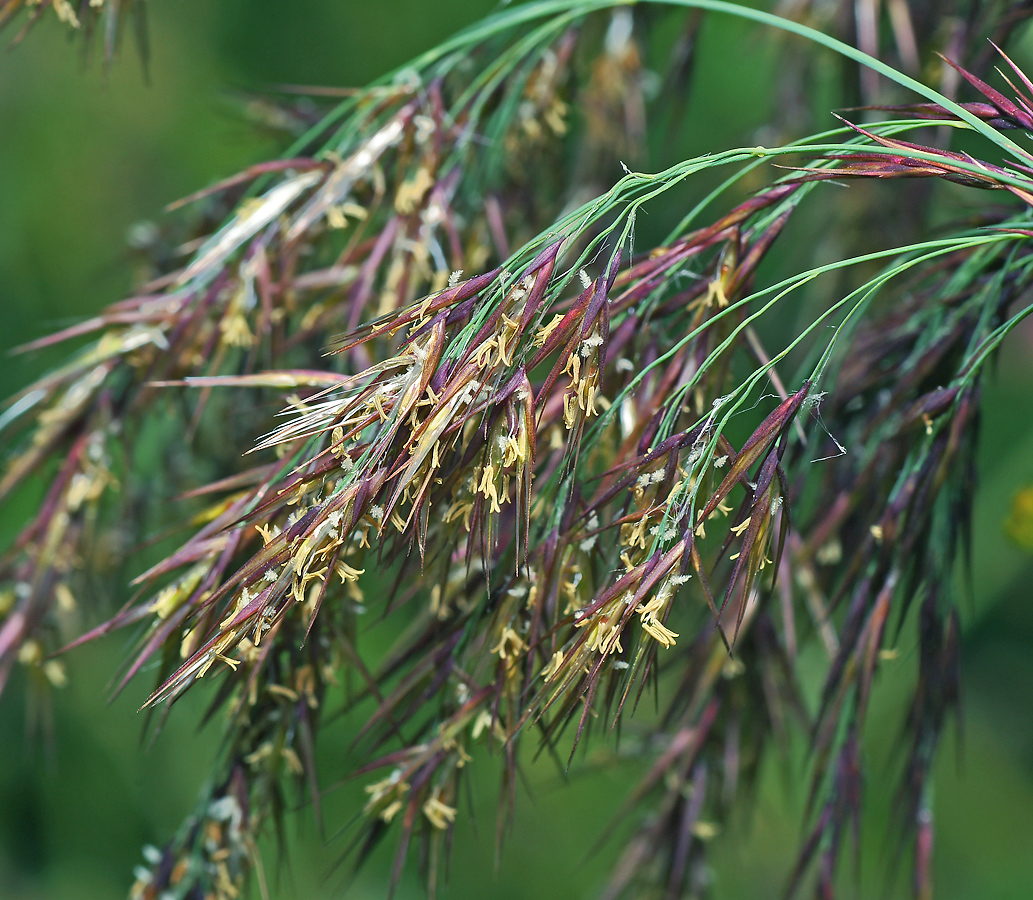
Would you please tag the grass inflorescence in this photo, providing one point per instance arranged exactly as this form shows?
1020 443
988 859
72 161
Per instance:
579 465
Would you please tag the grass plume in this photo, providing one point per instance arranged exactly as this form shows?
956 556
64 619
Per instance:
584 469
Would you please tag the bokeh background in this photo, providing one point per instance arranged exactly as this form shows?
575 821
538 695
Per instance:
85 156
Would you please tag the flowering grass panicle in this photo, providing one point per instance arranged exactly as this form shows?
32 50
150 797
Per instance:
581 469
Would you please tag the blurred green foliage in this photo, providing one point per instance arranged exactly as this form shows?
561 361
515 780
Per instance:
84 155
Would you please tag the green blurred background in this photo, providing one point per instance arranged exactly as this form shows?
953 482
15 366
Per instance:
84 156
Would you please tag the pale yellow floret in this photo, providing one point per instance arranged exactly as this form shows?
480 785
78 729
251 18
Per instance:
553 668
509 644
485 721
438 813
659 631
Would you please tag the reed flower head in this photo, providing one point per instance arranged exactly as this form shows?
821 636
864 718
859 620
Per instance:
577 469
